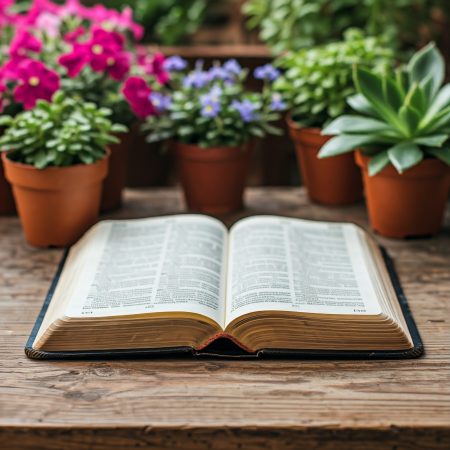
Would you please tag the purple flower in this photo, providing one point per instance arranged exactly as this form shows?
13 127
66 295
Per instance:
160 101
246 109
232 67
218 73
266 72
277 104
215 93
211 102
196 79
175 64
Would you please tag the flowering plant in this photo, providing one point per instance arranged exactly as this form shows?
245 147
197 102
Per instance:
87 52
61 133
211 107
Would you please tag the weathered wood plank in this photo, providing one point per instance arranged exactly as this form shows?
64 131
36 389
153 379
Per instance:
185 404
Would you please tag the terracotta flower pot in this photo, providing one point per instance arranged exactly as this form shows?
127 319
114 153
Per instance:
410 204
148 164
213 179
330 181
56 205
114 183
7 205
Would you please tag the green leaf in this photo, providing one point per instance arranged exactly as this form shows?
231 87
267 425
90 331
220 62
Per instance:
359 103
435 140
405 155
345 143
350 124
371 87
415 98
443 154
410 118
378 162
427 64
441 101
391 93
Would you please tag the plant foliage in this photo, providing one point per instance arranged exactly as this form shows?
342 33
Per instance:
404 115
317 81
61 133
294 24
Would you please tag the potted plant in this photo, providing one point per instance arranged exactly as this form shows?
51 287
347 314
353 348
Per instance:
90 48
316 83
212 121
403 130
56 159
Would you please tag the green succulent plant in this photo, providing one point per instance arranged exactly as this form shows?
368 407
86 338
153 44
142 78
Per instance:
404 115
63 132
317 81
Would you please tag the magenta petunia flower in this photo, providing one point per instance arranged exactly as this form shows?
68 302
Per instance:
23 43
35 82
137 92
101 15
103 52
156 68
72 36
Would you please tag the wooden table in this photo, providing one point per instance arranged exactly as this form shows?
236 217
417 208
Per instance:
216 404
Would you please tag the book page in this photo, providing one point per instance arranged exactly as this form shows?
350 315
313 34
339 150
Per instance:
284 264
170 264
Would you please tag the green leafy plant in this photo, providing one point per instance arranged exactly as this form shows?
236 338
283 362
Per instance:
294 24
61 133
404 115
317 81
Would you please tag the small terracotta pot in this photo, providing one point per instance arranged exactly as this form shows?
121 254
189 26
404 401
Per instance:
404 205
58 204
330 181
148 164
7 205
213 179
114 183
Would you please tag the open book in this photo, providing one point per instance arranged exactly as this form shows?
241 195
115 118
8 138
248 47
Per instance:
183 282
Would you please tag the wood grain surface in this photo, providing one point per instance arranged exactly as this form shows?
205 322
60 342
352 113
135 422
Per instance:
220 404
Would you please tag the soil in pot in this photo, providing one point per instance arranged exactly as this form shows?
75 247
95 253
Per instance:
213 179
56 205
114 183
329 181
7 205
411 204
149 164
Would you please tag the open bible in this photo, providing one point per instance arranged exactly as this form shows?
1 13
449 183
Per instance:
268 286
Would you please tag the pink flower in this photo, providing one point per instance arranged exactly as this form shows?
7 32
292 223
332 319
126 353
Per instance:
137 93
152 65
2 96
73 36
50 23
73 8
100 15
35 81
103 52
156 68
6 17
23 43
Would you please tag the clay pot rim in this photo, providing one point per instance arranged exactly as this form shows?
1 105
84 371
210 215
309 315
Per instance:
295 126
29 167
427 168
248 143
